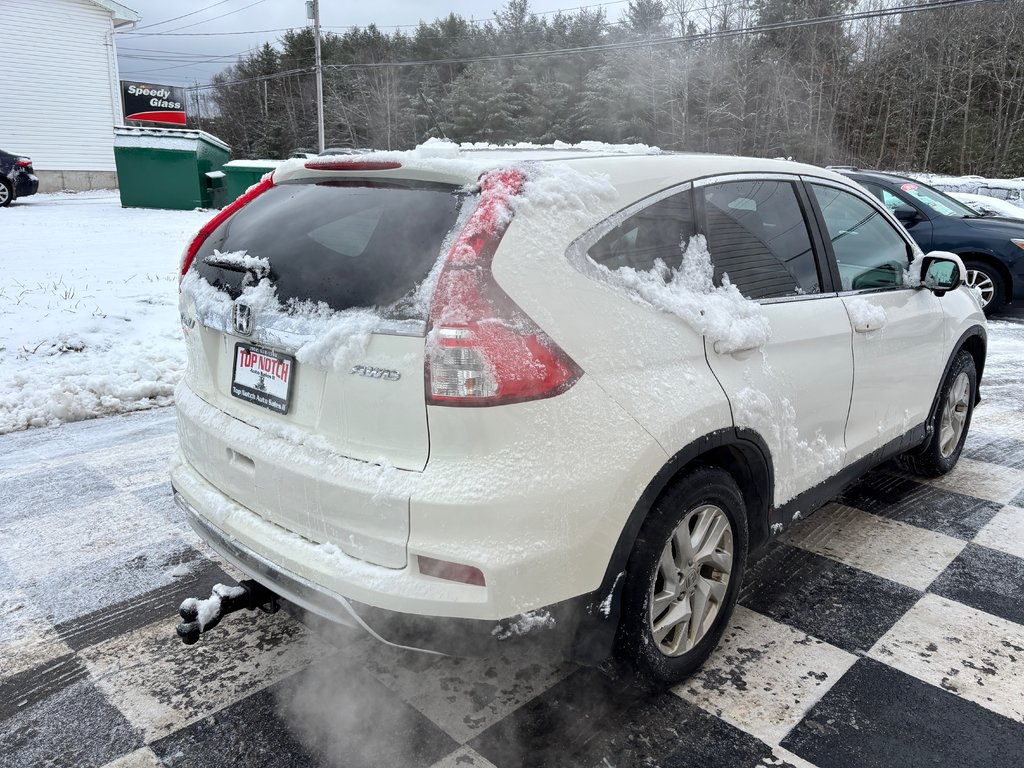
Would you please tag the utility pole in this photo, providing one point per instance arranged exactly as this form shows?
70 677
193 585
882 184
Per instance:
313 12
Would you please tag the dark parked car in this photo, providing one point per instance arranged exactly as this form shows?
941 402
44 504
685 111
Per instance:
16 178
992 247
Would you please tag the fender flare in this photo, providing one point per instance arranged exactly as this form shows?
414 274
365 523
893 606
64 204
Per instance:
966 338
599 617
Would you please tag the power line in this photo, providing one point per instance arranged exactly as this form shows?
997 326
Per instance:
183 59
134 72
220 63
255 79
183 16
205 34
195 24
157 50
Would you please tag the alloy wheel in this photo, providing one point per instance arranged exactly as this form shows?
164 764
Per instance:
4 194
981 281
691 580
954 414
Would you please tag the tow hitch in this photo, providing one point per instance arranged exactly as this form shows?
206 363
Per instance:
203 615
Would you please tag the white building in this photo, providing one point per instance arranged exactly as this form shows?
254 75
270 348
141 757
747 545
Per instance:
59 88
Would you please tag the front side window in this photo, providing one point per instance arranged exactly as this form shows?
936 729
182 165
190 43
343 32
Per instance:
658 232
757 235
869 250
887 198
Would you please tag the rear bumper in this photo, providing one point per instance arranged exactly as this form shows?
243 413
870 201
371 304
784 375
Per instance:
25 184
551 630
535 501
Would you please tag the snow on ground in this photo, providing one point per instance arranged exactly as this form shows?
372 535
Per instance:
88 307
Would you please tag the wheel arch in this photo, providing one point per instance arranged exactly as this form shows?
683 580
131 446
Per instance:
742 453
975 342
993 261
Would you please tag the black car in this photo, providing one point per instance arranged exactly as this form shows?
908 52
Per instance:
16 178
992 247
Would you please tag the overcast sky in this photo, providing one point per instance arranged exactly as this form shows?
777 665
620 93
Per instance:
172 57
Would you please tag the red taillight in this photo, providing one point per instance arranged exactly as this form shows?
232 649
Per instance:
352 165
23 162
442 569
244 199
482 348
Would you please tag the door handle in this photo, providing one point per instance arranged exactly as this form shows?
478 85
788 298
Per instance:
868 325
720 349
865 316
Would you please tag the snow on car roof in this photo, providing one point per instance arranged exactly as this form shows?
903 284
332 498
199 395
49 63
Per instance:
448 162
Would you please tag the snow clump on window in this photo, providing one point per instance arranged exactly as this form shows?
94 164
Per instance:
330 339
721 313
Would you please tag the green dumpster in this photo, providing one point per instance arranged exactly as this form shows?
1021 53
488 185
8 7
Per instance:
242 174
167 167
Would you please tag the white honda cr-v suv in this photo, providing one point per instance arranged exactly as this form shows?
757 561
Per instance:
468 397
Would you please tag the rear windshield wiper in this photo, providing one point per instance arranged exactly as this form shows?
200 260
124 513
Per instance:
258 268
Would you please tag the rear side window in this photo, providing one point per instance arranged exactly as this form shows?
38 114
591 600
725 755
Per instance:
757 235
869 251
346 244
656 232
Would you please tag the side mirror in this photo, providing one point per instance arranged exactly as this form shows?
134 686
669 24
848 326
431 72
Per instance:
906 214
941 272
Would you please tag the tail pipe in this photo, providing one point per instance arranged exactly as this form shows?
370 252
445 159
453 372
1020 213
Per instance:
203 615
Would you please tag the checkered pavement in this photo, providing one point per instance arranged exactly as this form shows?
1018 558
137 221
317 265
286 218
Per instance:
885 630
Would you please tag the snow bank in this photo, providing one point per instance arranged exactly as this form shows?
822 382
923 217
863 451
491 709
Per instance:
88 308
721 313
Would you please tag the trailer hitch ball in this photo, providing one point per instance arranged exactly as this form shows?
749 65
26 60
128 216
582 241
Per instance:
202 615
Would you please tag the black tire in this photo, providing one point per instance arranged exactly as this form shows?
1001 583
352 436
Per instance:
6 193
636 648
938 457
983 271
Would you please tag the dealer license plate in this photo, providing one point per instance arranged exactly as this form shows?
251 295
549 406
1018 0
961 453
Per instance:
262 376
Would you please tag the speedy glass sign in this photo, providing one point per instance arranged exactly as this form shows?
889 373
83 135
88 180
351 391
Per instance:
151 103
262 376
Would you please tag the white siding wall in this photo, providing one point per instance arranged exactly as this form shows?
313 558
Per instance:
58 84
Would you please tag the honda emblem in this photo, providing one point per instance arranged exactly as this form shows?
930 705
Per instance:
241 318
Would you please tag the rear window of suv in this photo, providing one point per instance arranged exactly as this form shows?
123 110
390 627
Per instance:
346 244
